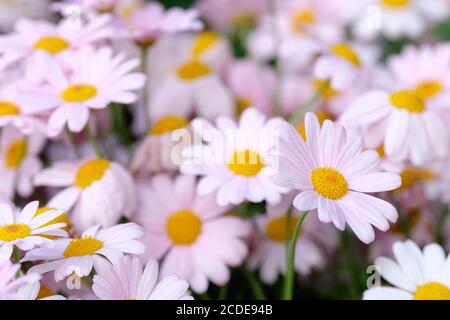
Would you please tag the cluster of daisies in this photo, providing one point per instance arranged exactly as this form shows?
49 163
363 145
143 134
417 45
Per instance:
229 149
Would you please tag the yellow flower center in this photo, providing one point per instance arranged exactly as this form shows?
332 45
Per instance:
410 101
344 51
15 231
429 89
183 227
204 41
82 247
329 183
246 163
432 291
193 70
90 172
411 176
168 124
78 92
242 104
8 108
321 116
15 153
276 228
44 292
63 218
51 44
302 19
395 4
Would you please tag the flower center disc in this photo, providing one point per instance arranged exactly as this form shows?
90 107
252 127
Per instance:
8 108
432 291
82 247
246 163
51 44
203 42
90 172
302 19
78 93
408 100
395 4
344 51
276 228
15 153
168 124
429 89
193 70
11 232
183 227
329 183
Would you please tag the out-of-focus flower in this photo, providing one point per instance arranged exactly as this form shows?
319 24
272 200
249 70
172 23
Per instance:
125 280
96 78
25 230
9 284
19 161
98 190
80 255
235 162
334 175
197 242
270 253
34 291
100 6
12 10
416 274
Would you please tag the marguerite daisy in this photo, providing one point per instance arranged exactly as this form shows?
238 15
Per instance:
190 232
100 191
80 255
334 174
125 280
235 162
416 274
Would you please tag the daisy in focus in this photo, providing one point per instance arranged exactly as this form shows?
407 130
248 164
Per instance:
96 78
99 191
80 255
191 234
235 162
415 274
25 230
125 280
334 175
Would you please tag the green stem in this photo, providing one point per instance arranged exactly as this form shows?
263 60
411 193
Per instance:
288 230
73 142
296 116
93 141
255 285
288 290
223 292
16 258
440 239
145 93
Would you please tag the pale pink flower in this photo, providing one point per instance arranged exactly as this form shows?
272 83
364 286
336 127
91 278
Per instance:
190 232
98 190
125 280
9 284
334 175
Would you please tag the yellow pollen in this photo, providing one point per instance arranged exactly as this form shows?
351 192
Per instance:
276 228
302 19
395 4
90 172
168 124
380 151
8 108
183 227
344 51
51 44
411 176
15 153
193 70
242 104
432 291
11 232
82 247
203 42
329 92
78 92
44 292
63 218
321 116
246 163
329 183
410 101
429 89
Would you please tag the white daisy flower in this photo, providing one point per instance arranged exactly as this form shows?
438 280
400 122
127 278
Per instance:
125 280
80 255
235 161
98 190
415 274
9 284
25 230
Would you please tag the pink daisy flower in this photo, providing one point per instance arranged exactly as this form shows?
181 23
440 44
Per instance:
80 255
99 191
96 78
190 232
126 280
334 175
9 284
